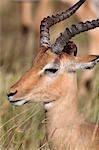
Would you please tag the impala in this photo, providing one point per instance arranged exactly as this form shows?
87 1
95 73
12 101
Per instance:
52 80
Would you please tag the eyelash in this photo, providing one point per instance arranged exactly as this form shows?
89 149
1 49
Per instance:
51 70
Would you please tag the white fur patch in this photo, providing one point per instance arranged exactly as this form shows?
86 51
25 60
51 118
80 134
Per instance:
95 7
48 105
45 67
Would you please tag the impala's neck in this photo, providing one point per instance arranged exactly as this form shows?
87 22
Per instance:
62 115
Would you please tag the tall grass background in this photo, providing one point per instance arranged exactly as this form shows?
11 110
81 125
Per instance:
22 128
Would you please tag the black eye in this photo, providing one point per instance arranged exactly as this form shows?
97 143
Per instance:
51 70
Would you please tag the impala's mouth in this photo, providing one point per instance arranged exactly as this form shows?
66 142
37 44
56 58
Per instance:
18 102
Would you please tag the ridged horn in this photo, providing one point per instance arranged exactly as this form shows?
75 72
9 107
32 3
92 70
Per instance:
46 23
64 37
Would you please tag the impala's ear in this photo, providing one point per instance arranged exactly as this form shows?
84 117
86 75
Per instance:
86 62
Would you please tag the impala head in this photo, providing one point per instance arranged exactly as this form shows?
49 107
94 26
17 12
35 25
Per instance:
54 68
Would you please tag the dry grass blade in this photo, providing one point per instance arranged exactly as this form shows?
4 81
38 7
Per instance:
15 117
43 146
8 132
17 127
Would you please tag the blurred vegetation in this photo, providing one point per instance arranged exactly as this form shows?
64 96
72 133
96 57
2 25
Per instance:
22 128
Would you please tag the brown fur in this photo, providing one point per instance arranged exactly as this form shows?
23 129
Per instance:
66 129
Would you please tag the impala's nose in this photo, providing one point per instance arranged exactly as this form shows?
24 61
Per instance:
11 94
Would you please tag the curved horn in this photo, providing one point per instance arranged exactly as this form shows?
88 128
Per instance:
64 37
46 23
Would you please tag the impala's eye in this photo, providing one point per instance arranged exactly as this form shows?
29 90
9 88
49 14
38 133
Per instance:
50 70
